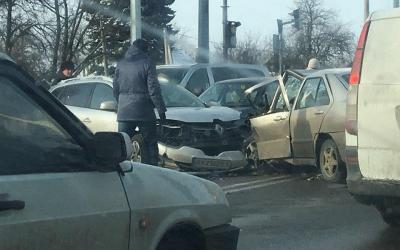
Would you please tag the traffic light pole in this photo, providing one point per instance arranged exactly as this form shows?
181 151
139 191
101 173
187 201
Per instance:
224 25
203 32
136 20
296 24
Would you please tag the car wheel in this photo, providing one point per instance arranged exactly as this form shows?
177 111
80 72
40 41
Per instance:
331 165
175 243
139 153
388 215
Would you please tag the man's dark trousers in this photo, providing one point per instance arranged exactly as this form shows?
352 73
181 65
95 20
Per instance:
148 129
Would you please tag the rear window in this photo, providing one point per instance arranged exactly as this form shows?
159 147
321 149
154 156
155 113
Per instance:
226 73
172 75
382 54
344 79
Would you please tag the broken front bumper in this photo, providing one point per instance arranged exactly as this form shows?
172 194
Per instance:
196 159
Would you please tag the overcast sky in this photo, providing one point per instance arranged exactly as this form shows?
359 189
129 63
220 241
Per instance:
258 17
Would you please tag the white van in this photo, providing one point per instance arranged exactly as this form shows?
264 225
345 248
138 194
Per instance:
373 117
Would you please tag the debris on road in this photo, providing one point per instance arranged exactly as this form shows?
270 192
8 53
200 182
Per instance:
316 177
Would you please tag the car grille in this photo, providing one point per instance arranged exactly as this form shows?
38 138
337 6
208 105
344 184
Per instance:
212 138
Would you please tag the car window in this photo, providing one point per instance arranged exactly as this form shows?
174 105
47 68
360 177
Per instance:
77 95
57 92
177 96
344 79
102 93
322 95
213 93
292 85
172 75
31 141
198 82
308 94
226 73
234 95
259 96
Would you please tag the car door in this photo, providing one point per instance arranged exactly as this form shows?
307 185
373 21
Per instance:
311 107
77 98
272 130
50 195
100 119
269 130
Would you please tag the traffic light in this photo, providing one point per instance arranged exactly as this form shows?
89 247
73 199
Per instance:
231 27
296 18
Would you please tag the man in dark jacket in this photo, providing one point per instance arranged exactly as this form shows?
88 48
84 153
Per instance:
65 72
138 92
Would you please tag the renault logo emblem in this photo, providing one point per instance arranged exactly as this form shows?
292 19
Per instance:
219 129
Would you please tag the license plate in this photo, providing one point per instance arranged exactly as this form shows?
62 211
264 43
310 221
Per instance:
211 163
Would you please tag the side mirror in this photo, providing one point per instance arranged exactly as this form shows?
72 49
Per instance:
109 106
111 148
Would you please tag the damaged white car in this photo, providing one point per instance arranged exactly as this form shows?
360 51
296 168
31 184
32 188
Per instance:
195 137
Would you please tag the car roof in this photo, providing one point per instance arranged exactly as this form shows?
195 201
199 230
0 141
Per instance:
303 72
330 71
243 80
179 66
86 79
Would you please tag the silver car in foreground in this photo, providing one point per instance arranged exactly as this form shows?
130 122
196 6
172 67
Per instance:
194 137
62 187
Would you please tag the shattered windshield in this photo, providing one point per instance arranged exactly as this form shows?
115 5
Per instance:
228 94
176 96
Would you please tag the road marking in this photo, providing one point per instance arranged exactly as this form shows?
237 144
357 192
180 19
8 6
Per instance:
246 188
255 182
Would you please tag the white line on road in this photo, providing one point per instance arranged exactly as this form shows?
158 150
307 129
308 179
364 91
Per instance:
246 188
255 182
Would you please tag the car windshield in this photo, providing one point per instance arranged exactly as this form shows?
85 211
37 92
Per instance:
176 96
171 75
228 94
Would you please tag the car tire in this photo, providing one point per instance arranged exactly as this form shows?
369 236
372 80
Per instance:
139 153
175 243
332 167
391 218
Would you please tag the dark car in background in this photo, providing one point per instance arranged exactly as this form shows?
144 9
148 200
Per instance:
198 77
231 93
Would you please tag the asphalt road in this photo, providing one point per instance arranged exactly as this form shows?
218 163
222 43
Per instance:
290 212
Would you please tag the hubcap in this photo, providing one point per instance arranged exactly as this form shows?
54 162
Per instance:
330 161
136 154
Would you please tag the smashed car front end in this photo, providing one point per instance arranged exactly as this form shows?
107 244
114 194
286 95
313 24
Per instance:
203 146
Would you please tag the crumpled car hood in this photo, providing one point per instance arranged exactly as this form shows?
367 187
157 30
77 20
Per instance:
191 115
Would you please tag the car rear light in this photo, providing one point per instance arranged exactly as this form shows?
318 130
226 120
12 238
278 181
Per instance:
358 57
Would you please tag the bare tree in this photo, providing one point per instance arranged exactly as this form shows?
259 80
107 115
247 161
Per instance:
321 36
251 50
